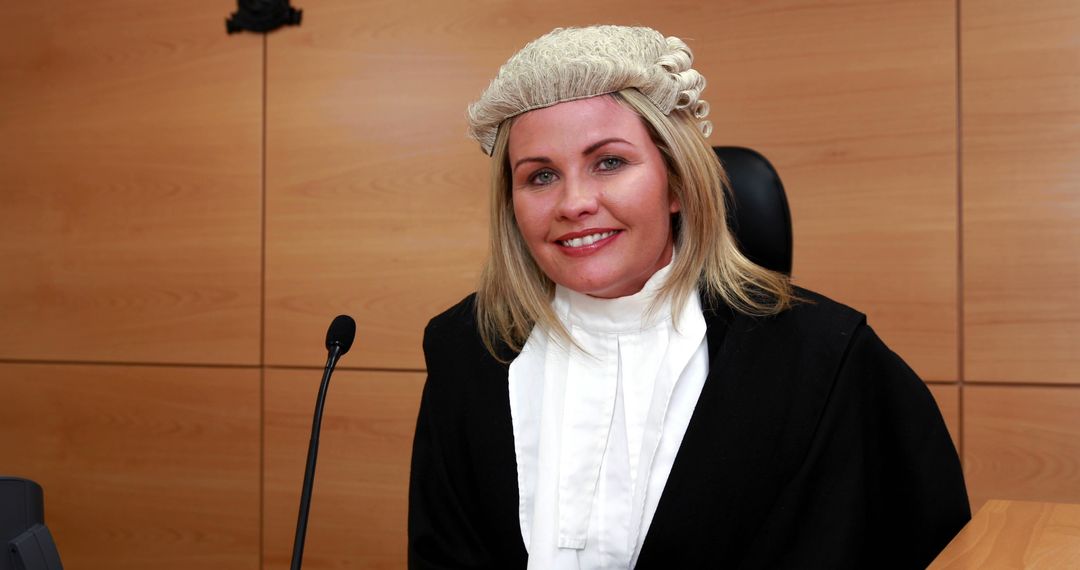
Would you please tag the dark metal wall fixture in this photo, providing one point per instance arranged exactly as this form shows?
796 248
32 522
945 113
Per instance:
262 16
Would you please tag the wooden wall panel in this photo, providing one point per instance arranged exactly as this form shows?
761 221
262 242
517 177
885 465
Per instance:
1022 443
377 202
1021 153
358 507
130 181
143 467
854 103
948 401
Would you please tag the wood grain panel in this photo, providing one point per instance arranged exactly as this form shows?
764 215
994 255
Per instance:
948 401
360 498
143 467
854 103
1016 534
1022 443
377 203
130 175
1021 137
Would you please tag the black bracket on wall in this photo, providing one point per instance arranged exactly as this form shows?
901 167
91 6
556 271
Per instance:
262 16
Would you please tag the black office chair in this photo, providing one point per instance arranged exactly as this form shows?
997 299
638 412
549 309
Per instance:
757 208
26 541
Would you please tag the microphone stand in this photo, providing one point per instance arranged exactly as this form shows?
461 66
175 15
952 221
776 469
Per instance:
313 452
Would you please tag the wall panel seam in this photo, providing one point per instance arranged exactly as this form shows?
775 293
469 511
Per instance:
960 339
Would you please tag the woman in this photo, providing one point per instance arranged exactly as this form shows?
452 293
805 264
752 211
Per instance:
626 389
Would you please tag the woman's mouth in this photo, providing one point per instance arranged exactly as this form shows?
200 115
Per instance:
587 240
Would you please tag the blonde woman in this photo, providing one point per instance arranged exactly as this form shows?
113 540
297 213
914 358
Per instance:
626 389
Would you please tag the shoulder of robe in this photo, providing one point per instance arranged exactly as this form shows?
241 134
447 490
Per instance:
811 316
815 333
816 316
458 319
451 338
455 354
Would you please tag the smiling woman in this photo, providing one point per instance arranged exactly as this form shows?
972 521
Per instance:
626 389
590 196
515 293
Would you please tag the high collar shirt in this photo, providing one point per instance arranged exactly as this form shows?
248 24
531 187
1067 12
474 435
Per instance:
597 424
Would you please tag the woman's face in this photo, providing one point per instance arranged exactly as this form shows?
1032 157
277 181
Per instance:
591 196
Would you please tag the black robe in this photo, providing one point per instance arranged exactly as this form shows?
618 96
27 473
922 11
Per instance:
812 445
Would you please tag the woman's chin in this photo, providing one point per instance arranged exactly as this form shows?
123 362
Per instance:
605 288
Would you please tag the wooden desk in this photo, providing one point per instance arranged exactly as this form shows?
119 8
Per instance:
1017 534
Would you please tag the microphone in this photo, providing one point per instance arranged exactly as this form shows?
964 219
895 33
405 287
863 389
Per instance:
341 333
339 339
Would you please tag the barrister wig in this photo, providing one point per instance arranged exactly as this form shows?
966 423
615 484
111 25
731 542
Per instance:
577 63
650 75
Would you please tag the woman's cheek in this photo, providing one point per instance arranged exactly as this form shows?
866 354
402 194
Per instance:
529 211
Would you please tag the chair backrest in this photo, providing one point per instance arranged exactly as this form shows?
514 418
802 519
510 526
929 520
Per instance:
757 208
25 541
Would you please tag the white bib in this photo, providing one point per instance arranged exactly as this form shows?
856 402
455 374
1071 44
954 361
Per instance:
597 426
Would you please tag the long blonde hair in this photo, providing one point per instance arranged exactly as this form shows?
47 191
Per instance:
514 294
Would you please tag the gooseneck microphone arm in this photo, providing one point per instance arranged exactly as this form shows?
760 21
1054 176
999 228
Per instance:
339 339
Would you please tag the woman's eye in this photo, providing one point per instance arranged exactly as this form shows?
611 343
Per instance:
610 163
542 178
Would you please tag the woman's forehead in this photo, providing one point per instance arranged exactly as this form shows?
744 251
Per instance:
573 126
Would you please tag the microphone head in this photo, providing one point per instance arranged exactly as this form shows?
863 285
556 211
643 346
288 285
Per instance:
341 333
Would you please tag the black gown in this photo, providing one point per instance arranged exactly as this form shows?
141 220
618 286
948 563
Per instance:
812 445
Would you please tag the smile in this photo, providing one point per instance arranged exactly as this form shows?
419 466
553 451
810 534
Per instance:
590 239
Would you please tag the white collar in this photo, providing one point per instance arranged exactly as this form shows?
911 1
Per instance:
620 315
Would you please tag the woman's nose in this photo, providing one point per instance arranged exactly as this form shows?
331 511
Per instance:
578 199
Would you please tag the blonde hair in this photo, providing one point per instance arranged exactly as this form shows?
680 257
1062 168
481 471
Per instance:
514 294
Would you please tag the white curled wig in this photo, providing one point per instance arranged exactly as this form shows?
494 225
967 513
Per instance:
650 75
578 63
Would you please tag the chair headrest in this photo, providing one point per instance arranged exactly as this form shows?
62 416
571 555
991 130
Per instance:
757 208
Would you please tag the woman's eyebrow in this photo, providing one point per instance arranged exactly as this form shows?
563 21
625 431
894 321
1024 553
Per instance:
591 148
540 159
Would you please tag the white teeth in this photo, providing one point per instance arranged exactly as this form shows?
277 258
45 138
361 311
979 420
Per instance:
586 240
